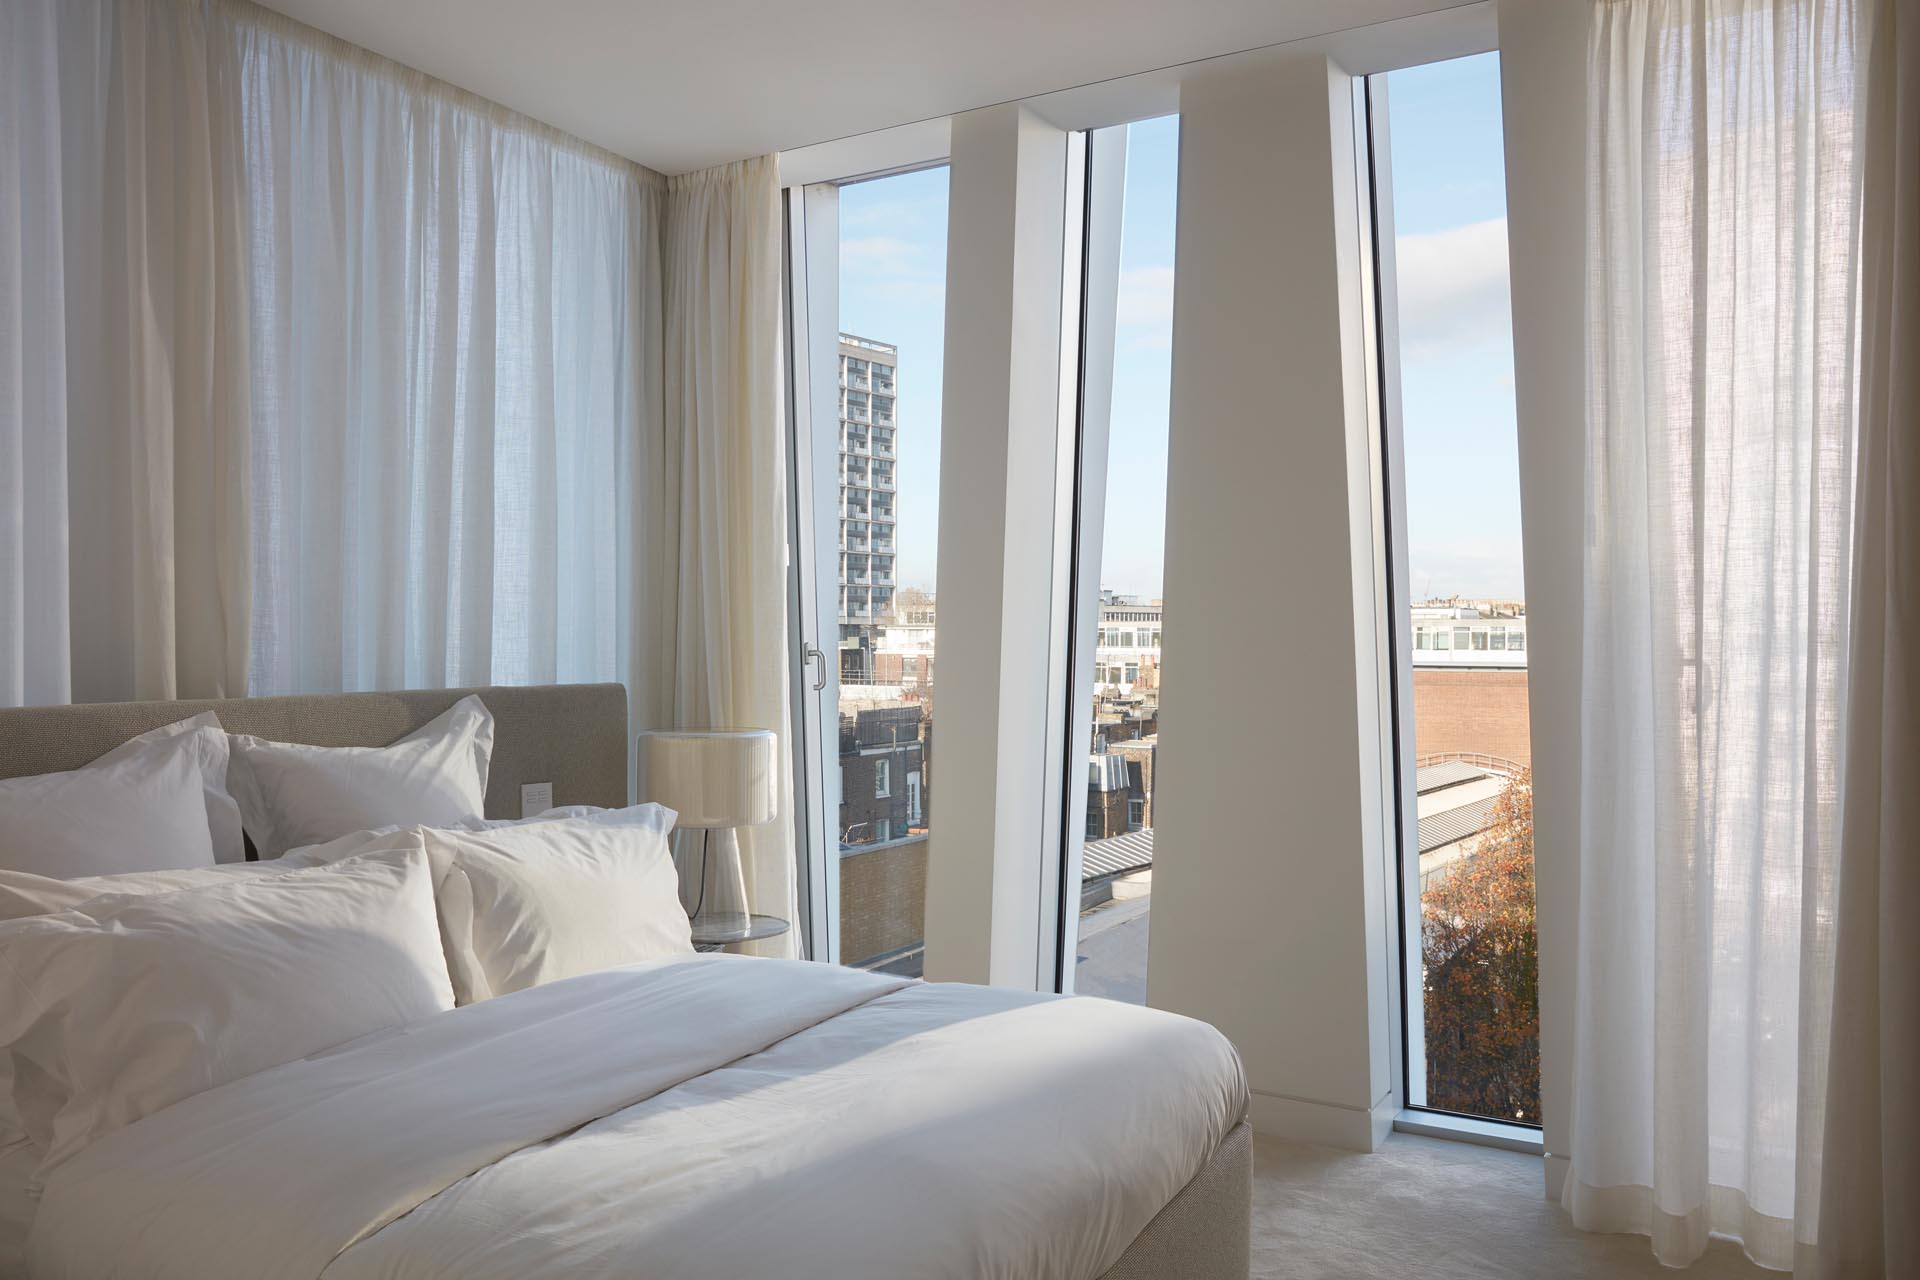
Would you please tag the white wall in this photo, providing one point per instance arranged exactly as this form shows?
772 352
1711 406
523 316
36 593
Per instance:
1270 889
1542 78
998 453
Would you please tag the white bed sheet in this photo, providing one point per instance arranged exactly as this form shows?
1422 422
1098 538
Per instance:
713 1116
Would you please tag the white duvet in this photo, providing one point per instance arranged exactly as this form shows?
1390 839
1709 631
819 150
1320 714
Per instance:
712 1116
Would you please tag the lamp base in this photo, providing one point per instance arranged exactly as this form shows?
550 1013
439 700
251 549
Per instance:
711 935
713 890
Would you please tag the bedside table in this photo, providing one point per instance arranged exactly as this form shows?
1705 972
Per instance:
713 937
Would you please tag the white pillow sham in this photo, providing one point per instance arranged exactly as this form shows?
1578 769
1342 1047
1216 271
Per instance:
157 802
527 902
132 1003
549 900
293 795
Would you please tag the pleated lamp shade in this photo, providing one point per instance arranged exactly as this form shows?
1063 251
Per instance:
714 779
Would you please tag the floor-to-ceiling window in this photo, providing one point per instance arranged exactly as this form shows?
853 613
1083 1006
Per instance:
1460 607
875 424
1121 550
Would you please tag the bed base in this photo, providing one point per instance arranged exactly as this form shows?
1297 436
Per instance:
1205 1231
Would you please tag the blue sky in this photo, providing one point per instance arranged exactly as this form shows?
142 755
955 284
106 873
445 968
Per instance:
1456 336
893 277
1456 355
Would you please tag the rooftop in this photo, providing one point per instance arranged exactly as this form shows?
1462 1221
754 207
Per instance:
1117 855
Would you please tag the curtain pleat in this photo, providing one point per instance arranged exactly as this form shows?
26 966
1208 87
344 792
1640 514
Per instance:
1870 1171
123 436
35 657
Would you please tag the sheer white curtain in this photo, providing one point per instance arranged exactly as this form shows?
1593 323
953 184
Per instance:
717 572
455 330
123 442
1723 213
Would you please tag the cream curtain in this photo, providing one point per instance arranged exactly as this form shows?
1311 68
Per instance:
1722 292
123 440
1870 1173
717 568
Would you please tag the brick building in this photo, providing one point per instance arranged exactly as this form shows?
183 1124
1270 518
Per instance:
883 904
1464 713
1139 755
884 792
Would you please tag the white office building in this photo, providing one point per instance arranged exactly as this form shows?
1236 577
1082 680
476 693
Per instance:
1469 634
1127 649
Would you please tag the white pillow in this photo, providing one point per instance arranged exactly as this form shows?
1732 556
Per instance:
292 795
532 903
205 735
536 899
150 804
130 1003
23 895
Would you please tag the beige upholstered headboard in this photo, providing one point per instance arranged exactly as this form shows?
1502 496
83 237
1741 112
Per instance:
572 735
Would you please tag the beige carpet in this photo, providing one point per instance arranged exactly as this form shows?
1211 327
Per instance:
1421 1207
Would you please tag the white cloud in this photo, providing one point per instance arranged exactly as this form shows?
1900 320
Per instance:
890 269
1453 288
880 255
1146 297
1474 567
1144 307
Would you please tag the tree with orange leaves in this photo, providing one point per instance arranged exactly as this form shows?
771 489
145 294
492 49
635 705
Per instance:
1482 974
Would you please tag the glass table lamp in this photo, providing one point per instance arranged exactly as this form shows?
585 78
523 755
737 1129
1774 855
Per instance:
717 781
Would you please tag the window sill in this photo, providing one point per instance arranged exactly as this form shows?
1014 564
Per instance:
1484 1133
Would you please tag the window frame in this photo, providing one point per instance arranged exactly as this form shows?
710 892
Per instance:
1374 167
1090 302
816 382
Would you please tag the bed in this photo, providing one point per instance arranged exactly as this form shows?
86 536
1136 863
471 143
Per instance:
833 1123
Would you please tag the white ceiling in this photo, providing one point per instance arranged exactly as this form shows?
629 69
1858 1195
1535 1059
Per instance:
680 86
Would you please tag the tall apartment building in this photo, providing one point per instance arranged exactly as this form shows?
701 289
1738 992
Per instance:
868 514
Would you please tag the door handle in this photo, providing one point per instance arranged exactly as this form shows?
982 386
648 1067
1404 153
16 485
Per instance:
809 653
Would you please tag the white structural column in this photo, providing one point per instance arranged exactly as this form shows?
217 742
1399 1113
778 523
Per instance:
1542 79
1272 843
988 847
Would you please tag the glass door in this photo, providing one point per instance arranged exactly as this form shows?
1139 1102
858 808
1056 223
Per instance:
1459 595
868 315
